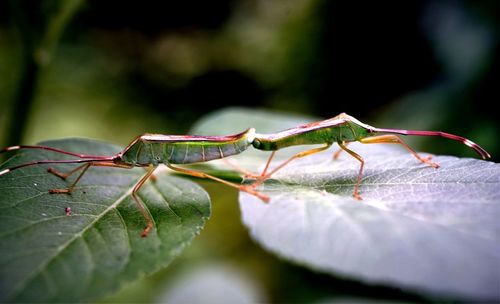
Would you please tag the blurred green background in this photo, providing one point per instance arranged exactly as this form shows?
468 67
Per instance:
115 69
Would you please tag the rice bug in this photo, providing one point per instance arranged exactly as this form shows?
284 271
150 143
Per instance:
149 151
342 129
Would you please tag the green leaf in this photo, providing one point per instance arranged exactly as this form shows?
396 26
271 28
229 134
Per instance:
47 256
428 230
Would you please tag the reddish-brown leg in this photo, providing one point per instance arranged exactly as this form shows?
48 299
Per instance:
263 178
85 167
394 139
337 153
139 204
239 168
360 172
66 175
264 172
199 174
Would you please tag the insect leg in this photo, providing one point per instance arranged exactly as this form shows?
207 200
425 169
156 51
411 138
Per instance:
140 205
268 163
298 155
152 177
199 174
395 139
337 153
239 168
84 169
360 173
136 188
66 175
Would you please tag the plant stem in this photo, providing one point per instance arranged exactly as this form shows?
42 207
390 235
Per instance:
34 58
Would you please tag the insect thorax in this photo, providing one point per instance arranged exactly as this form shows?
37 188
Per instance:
349 132
344 132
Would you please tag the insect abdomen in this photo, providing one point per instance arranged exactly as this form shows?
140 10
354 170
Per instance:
155 149
184 153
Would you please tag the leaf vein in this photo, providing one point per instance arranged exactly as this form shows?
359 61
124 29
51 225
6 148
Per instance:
64 246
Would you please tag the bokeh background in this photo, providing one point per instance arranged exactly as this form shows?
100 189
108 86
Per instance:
115 69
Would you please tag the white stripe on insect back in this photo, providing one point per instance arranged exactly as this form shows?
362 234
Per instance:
354 120
172 138
250 133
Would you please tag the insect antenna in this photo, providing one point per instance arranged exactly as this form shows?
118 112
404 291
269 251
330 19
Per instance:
479 150
84 158
100 159
14 148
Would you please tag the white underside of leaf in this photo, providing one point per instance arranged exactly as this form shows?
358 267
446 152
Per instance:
417 227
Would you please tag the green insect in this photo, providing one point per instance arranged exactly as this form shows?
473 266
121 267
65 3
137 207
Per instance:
149 151
342 129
